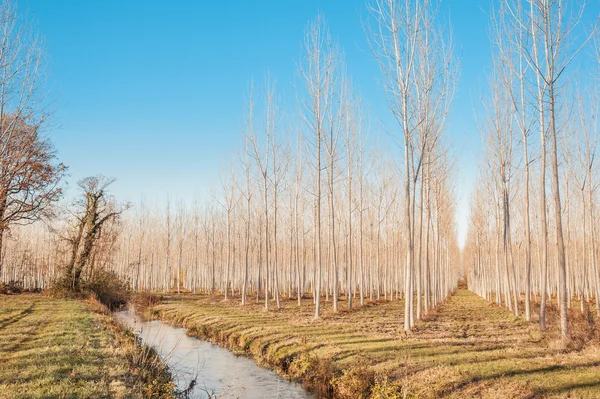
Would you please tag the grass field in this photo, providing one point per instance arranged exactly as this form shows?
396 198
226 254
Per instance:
468 348
59 348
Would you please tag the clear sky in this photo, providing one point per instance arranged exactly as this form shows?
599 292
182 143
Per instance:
153 92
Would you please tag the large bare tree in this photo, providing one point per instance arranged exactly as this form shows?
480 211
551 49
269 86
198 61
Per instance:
417 84
93 211
318 77
29 172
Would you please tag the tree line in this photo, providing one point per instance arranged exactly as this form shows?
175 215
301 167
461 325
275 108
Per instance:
308 207
533 228
311 207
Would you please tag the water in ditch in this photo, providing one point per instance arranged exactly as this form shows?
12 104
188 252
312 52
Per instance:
218 372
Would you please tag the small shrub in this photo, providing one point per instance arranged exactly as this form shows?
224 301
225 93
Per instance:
316 373
152 372
108 288
301 366
104 285
144 300
384 389
12 287
355 382
61 287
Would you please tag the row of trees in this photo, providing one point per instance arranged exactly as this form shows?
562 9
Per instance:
308 206
533 233
201 249
298 221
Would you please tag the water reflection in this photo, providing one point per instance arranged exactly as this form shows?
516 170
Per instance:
218 371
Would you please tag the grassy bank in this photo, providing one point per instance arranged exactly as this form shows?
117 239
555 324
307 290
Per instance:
63 348
467 348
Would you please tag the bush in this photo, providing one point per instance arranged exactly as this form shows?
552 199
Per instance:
12 287
105 286
108 288
355 382
144 300
315 373
60 286
385 389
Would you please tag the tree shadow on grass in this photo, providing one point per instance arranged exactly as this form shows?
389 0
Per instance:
537 392
512 373
17 317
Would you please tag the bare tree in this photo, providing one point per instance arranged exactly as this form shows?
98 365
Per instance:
352 120
247 191
401 39
227 202
93 211
551 28
279 162
29 174
510 39
263 161
317 75
182 232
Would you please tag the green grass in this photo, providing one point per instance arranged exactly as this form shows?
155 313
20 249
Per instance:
58 348
466 348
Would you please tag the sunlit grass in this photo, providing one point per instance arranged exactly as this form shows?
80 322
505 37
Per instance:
55 348
466 348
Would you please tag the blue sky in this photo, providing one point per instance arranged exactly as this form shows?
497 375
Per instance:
153 92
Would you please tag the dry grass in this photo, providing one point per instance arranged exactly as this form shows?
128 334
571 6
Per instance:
60 348
467 348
